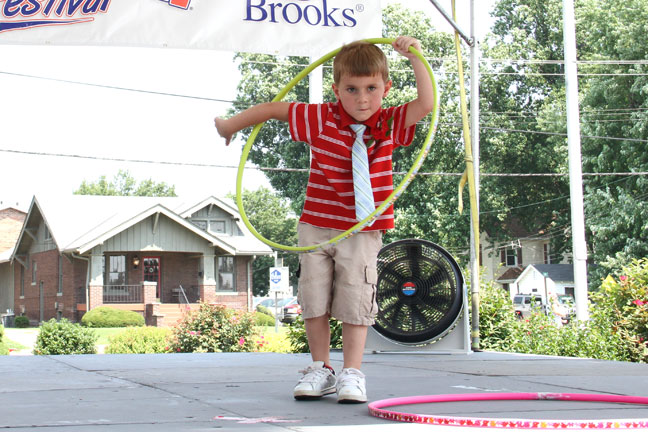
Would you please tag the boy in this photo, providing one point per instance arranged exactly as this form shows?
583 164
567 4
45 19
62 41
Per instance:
340 280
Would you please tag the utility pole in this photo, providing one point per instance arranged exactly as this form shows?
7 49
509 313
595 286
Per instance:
579 246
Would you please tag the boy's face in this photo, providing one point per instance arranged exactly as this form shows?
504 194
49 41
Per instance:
361 96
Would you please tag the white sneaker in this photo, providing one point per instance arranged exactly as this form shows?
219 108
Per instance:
351 387
317 381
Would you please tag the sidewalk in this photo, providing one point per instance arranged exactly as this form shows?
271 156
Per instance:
253 391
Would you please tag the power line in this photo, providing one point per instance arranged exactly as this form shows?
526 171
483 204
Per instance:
302 170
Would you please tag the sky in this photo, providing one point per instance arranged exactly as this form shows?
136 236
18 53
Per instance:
46 113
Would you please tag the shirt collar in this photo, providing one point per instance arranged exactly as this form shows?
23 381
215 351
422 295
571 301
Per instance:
346 120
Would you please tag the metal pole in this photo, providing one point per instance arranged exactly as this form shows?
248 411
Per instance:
474 129
575 163
452 22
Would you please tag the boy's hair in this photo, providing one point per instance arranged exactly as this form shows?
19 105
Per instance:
360 59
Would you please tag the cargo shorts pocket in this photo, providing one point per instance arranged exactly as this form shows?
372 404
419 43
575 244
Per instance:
368 305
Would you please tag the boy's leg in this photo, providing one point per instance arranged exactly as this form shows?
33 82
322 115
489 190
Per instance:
318 332
354 338
351 384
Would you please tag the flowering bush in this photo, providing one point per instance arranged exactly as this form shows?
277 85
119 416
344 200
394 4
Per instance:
214 328
625 301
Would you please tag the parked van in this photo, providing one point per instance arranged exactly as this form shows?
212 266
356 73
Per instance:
524 304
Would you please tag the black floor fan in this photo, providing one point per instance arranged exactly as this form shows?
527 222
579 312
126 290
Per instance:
421 300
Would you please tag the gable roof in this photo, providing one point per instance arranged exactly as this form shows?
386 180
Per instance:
77 223
555 272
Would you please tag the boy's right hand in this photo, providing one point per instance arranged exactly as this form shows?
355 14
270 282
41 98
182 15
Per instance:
221 127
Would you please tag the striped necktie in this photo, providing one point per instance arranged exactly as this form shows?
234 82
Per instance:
364 199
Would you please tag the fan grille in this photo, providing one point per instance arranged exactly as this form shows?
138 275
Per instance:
419 291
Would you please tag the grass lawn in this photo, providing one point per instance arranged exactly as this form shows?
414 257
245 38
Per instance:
105 333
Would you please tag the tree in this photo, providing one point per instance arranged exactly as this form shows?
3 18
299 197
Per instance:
522 100
273 218
615 115
124 184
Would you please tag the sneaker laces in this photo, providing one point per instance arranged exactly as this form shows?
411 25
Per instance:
350 377
312 374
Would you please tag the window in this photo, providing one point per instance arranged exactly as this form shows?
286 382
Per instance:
48 234
511 256
202 224
225 266
217 226
33 282
547 257
116 270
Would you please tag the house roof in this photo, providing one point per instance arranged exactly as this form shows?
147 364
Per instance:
77 223
555 272
511 274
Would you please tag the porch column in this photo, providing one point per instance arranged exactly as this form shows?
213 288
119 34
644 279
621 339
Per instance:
96 284
149 290
208 283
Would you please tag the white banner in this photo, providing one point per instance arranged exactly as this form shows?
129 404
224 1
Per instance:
293 27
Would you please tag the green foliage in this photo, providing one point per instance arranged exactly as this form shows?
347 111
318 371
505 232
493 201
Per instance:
214 328
124 184
105 316
4 350
270 341
496 318
264 310
64 337
140 340
624 299
21 322
262 319
299 341
539 334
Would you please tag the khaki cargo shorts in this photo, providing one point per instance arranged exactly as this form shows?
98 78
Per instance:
339 280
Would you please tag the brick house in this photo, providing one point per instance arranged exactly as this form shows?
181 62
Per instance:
11 222
156 256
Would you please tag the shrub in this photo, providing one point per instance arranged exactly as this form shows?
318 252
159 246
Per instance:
538 334
496 318
21 322
140 340
214 328
264 310
3 348
64 337
623 304
262 319
299 341
105 316
273 342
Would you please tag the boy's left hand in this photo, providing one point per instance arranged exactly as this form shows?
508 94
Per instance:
402 44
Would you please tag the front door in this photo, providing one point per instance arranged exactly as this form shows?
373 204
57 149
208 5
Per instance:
152 272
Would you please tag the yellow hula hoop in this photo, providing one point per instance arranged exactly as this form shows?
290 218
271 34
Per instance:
390 199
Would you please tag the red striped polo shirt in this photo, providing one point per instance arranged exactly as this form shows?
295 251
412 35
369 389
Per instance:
330 201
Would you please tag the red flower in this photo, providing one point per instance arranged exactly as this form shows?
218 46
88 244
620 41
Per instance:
639 302
623 278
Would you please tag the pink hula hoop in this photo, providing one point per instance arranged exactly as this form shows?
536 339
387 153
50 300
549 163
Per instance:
376 409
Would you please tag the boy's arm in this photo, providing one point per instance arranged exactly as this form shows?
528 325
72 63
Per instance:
251 116
424 103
